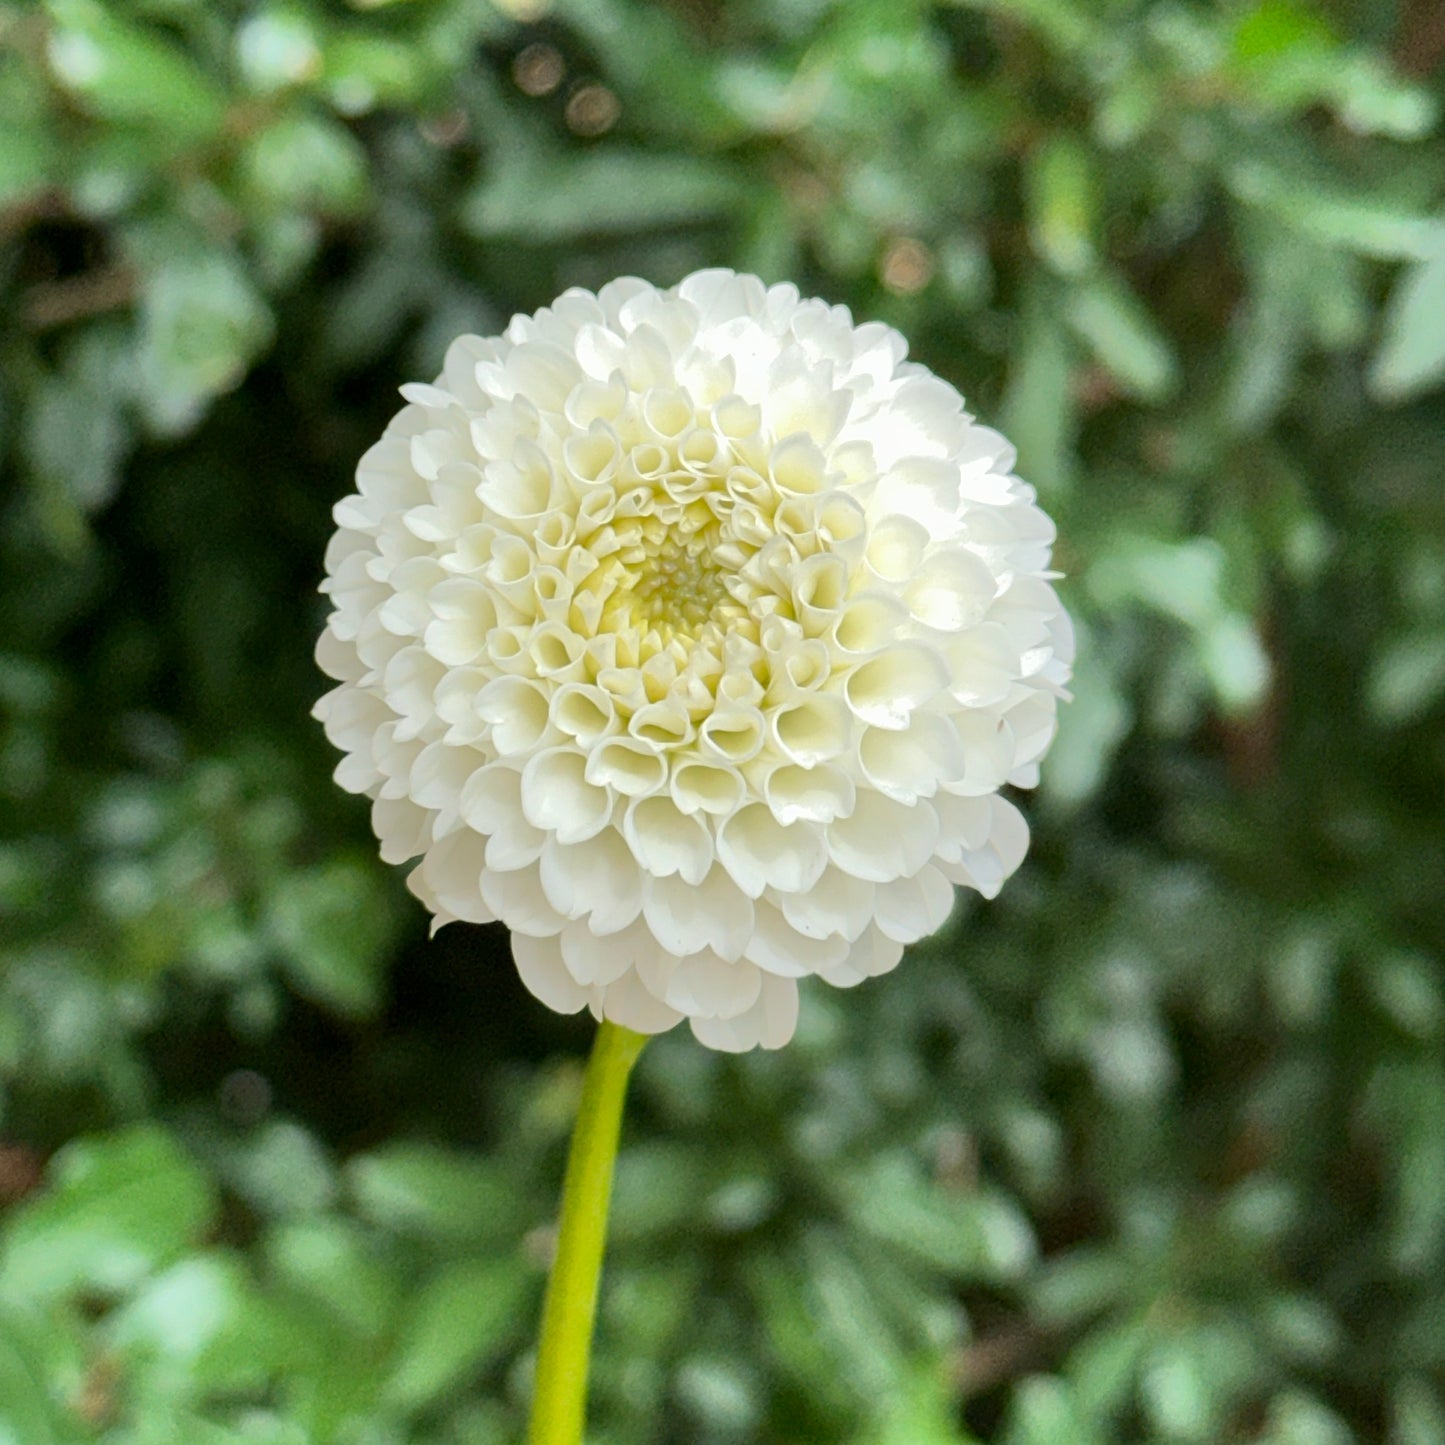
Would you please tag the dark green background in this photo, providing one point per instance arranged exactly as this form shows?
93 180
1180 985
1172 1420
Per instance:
1150 1150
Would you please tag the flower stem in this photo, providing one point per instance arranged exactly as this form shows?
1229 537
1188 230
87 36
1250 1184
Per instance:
559 1403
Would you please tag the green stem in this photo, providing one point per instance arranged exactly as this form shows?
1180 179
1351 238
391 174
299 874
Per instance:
559 1403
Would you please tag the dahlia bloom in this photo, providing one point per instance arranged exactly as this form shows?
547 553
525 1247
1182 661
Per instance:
692 634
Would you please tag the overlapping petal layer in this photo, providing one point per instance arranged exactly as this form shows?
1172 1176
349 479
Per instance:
692 634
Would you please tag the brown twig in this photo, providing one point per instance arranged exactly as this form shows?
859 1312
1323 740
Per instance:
57 303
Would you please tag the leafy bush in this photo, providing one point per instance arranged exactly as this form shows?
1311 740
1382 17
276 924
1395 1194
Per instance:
1148 1150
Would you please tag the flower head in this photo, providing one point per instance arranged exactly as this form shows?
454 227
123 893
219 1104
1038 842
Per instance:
692 634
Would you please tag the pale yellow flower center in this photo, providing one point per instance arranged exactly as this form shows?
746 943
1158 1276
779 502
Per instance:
668 578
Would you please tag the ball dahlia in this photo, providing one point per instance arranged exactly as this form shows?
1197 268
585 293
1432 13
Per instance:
692 634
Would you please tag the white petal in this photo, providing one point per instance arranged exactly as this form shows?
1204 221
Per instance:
667 841
838 903
760 852
909 764
518 900
634 769
952 591
627 1002
886 690
982 665
813 730
963 824
870 957
987 753
987 868
439 774
883 839
911 908
451 872
706 986
895 549
689 917
403 828
714 788
602 961
770 1022
539 962
557 798
734 735
781 949
491 803
518 713
814 795
597 880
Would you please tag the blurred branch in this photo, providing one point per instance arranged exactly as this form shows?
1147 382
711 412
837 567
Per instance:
57 303
1420 48
45 205
993 1359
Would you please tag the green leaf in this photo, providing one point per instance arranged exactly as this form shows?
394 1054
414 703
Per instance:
1235 662
1062 193
1046 1413
1182 580
128 73
1287 56
1121 333
847 1316
28 163
922 1409
597 193
426 1190
281 1170
1099 719
1358 223
331 1261
788 1317
75 430
649 1302
1038 412
202 323
307 162
1407 678
464 1317
277 47
118 1207
334 928
1417 1416
199 1326
658 1187
362 70
1411 357
41 1362
972 1236
1296 1418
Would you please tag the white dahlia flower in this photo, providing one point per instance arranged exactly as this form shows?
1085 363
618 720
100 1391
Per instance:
692 634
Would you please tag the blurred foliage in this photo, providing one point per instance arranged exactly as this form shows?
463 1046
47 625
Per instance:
1151 1150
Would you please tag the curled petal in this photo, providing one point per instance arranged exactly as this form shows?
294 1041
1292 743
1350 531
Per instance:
885 691
666 840
688 918
882 839
629 1002
812 795
769 1023
760 852
558 799
539 962
780 949
597 880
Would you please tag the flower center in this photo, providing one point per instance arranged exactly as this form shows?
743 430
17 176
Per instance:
668 578
679 585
